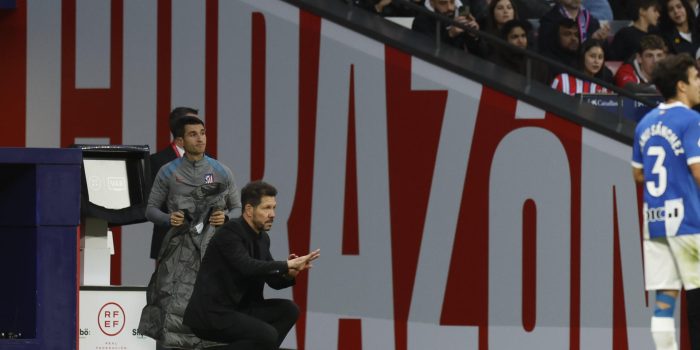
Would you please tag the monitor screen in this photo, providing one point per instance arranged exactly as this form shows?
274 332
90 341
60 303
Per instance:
107 182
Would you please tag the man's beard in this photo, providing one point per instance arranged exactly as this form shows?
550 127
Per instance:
261 225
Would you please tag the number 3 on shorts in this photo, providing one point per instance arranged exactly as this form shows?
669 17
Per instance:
659 170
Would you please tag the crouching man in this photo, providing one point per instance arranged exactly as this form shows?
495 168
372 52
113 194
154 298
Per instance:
227 303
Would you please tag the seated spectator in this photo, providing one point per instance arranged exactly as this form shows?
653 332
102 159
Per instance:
677 26
566 45
599 9
592 63
589 27
516 33
636 74
500 12
450 34
626 42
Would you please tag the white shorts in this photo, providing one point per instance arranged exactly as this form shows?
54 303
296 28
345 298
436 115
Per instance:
672 262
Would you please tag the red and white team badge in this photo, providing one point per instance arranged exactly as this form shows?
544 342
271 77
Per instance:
209 178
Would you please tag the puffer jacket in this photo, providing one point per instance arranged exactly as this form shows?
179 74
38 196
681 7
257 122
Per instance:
171 285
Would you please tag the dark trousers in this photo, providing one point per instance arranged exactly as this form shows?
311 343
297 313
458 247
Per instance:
261 326
692 298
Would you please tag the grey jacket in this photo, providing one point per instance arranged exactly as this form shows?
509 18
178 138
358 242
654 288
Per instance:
183 247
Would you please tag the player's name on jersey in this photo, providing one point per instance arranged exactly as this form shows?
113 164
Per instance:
659 129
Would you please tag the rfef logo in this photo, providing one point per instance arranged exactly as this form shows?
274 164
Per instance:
111 319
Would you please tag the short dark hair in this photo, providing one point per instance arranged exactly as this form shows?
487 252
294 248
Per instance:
567 23
253 192
669 71
515 23
177 113
651 42
641 5
186 120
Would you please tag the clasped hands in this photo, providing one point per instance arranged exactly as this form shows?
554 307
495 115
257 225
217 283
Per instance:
217 218
297 264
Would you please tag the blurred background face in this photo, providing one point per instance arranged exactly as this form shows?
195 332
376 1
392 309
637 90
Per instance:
503 12
593 60
444 7
650 14
518 37
676 12
568 38
647 60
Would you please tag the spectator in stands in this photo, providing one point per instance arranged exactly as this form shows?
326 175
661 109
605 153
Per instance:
450 34
565 50
626 42
516 33
592 64
500 12
678 28
636 74
589 27
599 9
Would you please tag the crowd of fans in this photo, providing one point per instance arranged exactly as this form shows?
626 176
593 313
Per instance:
575 33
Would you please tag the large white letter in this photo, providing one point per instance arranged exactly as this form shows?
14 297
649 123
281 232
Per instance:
529 163
424 330
351 286
604 165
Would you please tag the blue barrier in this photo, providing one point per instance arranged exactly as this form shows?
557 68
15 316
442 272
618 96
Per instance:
620 105
39 215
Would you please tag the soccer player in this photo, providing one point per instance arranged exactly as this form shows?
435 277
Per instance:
666 161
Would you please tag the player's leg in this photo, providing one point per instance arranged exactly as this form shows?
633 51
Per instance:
663 328
662 276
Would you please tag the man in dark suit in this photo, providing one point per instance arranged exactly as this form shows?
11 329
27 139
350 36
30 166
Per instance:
227 303
162 157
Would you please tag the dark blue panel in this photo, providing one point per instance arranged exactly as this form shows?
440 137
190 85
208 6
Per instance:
62 207
8 4
57 286
17 195
18 292
39 213
41 155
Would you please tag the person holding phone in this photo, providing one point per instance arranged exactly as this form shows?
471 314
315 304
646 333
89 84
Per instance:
450 34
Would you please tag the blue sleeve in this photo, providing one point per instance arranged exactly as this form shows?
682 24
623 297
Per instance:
637 159
691 142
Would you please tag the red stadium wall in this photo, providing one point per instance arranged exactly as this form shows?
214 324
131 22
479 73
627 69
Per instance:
449 215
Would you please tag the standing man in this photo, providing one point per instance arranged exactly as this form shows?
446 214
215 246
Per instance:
173 151
200 194
666 161
227 303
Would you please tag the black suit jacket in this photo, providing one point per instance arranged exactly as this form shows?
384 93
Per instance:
235 267
164 156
